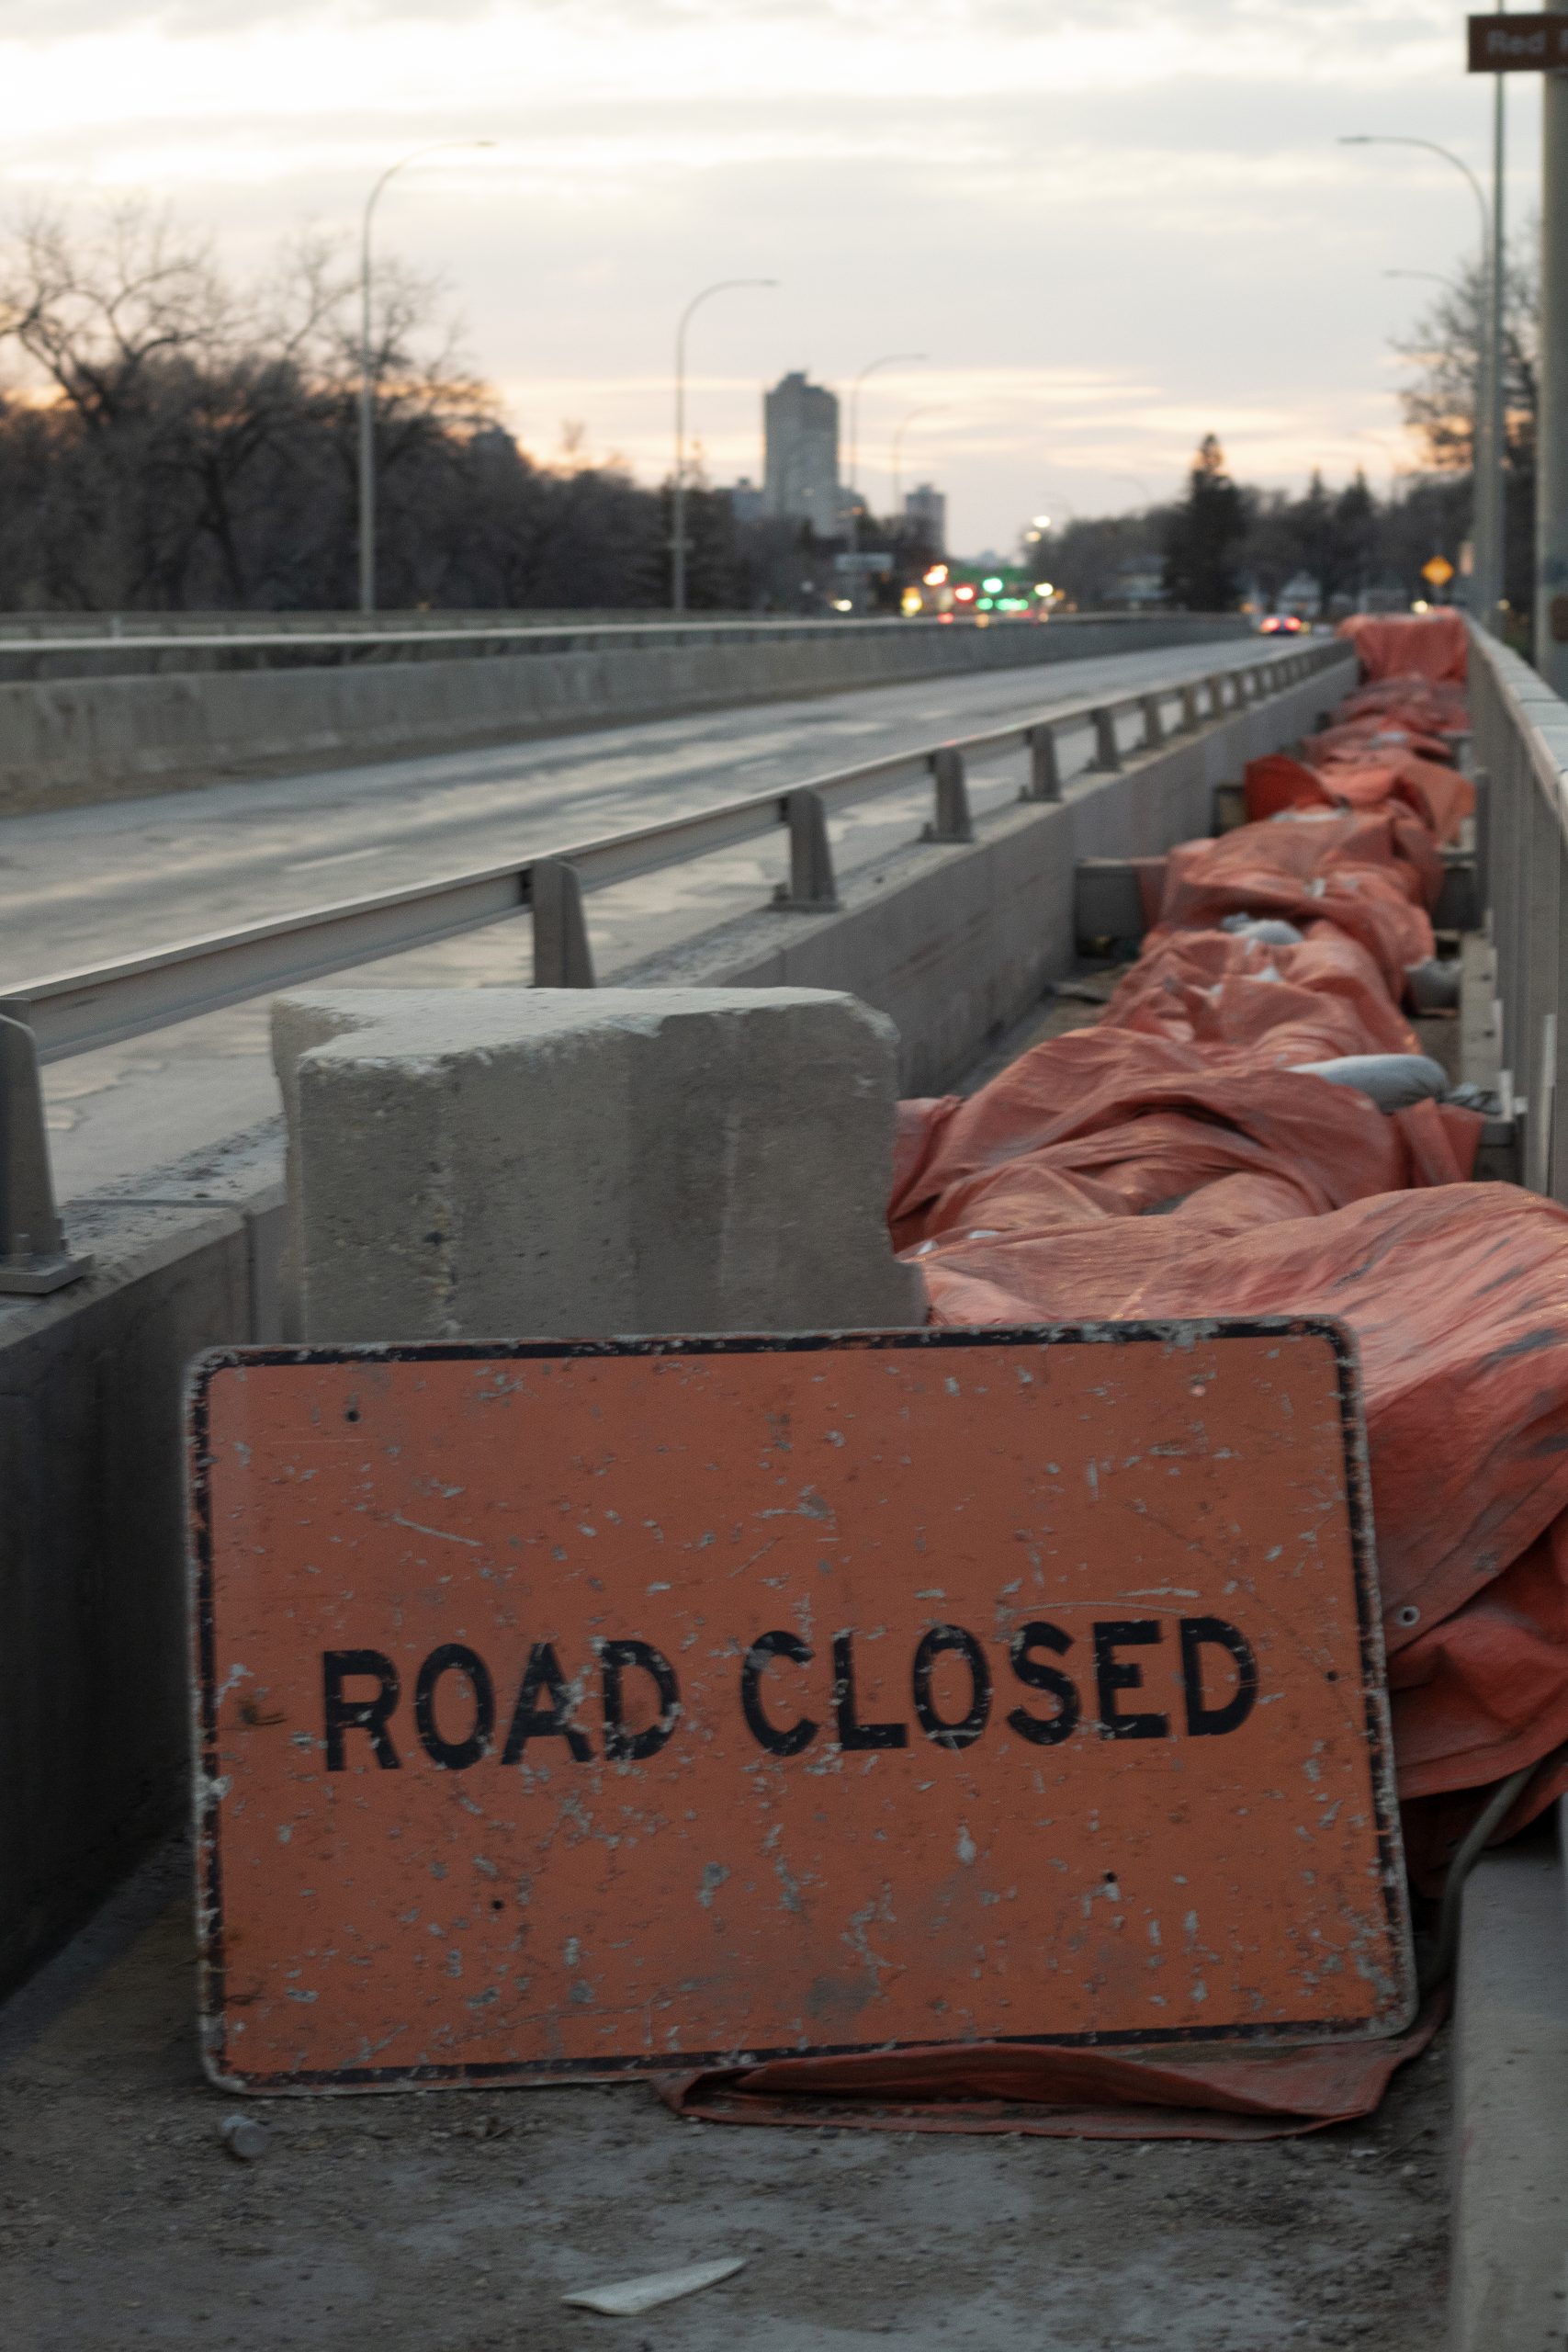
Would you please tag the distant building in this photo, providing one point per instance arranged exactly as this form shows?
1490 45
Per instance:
746 501
925 509
1140 583
800 424
1303 595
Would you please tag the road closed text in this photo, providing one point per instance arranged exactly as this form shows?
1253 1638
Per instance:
1119 1678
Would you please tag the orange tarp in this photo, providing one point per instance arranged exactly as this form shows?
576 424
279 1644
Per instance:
1405 646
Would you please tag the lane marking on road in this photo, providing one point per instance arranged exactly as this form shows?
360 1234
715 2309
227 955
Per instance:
334 857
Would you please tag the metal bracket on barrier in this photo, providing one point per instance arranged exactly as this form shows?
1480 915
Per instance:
953 822
1537 1126
1153 731
562 957
810 889
1482 780
34 1259
1045 768
1107 754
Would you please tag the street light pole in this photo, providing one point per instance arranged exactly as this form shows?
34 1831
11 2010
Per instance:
1551 457
889 360
1498 391
367 386
678 488
1486 440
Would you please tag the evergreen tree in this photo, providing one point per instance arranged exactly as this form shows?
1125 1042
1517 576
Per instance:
1204 535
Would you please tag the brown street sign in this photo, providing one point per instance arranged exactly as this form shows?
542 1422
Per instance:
572 1711
1522 44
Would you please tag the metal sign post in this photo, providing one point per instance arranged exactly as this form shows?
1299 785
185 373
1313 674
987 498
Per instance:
578 1711
1538 43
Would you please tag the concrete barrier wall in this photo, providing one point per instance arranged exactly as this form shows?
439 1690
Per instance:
67 741
953 943
94 1747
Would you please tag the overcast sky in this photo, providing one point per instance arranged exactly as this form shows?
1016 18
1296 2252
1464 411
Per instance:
1110 225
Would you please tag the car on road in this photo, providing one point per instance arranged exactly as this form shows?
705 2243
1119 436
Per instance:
1281 625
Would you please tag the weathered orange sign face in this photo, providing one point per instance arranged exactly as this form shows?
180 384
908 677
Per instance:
576 1710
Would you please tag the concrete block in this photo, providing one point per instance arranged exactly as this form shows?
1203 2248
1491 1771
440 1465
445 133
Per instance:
1111 895
544 1163
1459 906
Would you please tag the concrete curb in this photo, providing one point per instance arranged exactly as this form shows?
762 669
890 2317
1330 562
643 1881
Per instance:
1510 2192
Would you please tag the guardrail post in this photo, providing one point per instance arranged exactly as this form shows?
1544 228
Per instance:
1216 685
1107 755
1190 719
1045 768
34 1259
1154 732
562 957
810 888
952 823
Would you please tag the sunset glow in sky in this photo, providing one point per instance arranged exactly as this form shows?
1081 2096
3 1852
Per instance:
1113 225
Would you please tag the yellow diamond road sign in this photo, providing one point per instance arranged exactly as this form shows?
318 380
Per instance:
1438 572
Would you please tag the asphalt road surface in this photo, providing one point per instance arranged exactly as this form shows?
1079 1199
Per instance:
85 886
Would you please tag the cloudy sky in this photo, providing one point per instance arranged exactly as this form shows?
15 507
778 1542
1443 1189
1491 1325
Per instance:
1110 225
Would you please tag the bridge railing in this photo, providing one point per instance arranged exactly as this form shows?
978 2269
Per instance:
55 646
1519 729
60 1014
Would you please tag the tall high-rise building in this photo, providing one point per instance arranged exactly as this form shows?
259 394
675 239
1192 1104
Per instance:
925 509
800 423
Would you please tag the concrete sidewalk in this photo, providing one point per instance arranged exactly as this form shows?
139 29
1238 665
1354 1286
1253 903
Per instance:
453 2222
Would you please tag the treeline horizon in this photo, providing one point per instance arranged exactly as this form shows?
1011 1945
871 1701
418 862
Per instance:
173 441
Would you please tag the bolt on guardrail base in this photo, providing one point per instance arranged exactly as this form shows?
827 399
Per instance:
34 1259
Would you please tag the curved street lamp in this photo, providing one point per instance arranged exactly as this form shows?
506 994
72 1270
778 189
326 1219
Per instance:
895 451
1433 276
888 359
678 500
367 390
1487 423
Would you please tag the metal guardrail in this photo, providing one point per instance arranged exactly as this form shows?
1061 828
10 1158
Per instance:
31 652
1519 730
53 1017
72 1012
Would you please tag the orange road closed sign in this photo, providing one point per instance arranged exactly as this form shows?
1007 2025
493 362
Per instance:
579 1710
